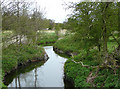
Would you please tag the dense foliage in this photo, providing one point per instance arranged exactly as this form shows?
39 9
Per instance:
24 19
94 40
95 37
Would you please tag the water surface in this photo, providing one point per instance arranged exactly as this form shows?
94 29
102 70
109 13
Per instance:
50 74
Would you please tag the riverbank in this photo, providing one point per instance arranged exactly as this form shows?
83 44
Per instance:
49 74
22 70
20 55
25 54
85 70
46 39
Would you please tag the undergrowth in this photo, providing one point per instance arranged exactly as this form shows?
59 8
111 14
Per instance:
106 77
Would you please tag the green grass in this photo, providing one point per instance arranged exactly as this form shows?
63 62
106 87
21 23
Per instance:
12 55
46 38
68 44
1 77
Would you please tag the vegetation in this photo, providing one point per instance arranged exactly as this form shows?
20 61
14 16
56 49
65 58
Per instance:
13 56
67 44
21 23
78 68
95 38
47 38
21 70
81 75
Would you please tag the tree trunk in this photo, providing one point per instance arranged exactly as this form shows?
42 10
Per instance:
99 47
16 82
105 36
35 77
19 82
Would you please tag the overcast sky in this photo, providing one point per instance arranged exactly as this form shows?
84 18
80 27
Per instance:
55 9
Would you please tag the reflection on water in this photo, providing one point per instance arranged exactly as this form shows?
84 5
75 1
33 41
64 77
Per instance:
50 74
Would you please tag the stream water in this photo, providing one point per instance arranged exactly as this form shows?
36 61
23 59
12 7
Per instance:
48 74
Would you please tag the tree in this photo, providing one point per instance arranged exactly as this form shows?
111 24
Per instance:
93 29
57 29
17 17
51 24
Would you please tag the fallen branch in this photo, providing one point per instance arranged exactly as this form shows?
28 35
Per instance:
102 66
81 63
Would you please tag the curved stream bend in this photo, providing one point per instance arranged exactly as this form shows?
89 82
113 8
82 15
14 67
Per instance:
50 74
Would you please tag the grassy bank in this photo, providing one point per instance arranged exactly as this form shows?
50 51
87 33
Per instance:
105 77
21 70
68 44
14 56
46 38
86 70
